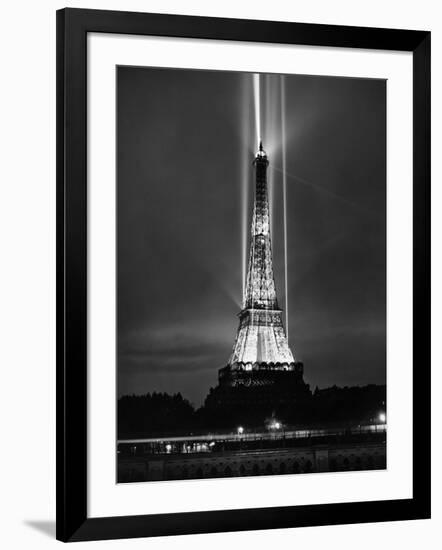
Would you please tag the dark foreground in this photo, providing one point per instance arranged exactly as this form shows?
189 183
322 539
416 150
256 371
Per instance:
252 454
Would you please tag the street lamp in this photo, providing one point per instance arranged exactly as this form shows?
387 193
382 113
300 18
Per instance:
240 430
382 417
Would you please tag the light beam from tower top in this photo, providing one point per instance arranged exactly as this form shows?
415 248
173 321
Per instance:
257 103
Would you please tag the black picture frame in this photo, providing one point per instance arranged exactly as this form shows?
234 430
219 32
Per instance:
73 25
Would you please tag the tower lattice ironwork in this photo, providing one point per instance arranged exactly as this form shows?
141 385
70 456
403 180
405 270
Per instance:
261 341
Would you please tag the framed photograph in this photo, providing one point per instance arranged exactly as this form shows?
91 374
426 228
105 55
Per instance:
243 274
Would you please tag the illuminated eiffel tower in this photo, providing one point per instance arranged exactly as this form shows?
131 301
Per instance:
261 355
261 340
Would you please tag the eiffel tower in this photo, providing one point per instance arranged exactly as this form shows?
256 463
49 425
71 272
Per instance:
261 341
261 358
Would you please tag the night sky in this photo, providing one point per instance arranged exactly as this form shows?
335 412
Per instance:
185 145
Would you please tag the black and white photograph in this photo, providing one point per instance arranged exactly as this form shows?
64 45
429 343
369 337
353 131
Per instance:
221 274
251 274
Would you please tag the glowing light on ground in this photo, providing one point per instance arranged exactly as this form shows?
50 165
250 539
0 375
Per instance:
275 425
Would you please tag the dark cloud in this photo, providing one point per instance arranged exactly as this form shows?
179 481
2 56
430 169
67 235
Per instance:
181 159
